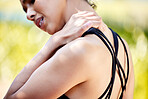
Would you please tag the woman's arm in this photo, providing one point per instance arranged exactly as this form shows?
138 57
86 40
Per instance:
67 68
71 31
44 54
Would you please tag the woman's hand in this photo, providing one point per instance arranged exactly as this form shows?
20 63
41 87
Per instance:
76 26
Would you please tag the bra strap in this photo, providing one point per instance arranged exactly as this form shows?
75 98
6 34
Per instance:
115 61
110 48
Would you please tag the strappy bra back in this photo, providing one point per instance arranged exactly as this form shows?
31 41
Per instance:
115 63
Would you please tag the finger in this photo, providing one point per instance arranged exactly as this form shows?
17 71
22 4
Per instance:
86 14
97 18
94 24
82 12
83 20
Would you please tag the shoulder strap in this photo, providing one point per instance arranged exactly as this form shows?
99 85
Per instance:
127 59
115 41
63 97
115 61
120 69
97 32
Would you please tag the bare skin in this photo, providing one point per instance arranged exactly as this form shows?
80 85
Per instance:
68 63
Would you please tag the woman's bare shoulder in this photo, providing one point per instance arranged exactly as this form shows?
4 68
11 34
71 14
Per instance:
85 50
83 47
80 46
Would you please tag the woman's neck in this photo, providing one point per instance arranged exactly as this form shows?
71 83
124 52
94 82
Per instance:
73 6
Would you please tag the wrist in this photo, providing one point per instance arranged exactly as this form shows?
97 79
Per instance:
57 39
52 44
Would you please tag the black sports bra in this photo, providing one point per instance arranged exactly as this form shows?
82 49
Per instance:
115 62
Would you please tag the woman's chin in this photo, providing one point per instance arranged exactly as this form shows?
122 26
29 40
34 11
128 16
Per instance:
51 31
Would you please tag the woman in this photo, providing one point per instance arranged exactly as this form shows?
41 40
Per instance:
71 66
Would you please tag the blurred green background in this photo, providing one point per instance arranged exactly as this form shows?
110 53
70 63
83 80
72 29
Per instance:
20 40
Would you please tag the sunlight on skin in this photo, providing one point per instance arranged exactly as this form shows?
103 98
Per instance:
62 58
55 39
75 46
78 23
43 51
38 58
34 61
20 95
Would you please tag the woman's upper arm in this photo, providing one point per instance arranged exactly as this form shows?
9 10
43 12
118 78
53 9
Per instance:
56 76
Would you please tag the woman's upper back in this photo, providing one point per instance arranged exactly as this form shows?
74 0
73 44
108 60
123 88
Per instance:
100 70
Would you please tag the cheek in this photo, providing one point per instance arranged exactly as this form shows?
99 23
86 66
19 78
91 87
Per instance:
55 7
39 6
52 10
55 12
